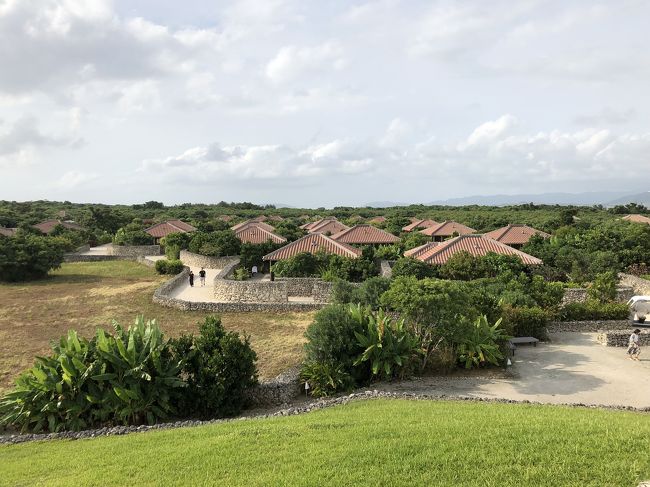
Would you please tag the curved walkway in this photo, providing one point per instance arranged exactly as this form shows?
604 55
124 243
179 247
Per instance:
572 368
198 293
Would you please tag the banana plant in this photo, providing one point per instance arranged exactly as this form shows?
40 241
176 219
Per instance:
481 346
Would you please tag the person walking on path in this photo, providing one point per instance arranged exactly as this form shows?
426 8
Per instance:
633 349
202 276
254 270
191 279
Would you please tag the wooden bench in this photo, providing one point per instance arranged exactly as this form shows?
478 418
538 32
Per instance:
513 342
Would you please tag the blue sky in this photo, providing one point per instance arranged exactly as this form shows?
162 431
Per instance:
321 103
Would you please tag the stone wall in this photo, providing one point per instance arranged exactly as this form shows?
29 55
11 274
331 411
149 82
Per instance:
209 262
385 269
299 286
230 291
134 251
621 338
587 326
322 292
579 295
281 390
91 258
640 286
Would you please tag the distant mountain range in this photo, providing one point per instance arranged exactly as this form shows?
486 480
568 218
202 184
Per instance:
605 198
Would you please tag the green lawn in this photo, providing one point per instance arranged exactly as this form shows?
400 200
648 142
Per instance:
379 442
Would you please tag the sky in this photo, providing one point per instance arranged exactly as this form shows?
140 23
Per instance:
311 103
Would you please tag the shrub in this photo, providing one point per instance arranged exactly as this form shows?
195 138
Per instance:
128 377
325 379
165 266
240 274
174 243
25 256
218 366
603 287
594 310
388 345
481 345
331 340
525 321
132 234
367 294
219 244
407 266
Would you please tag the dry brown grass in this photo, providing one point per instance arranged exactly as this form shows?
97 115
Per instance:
85 296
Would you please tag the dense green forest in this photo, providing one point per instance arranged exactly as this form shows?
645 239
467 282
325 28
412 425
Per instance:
110 218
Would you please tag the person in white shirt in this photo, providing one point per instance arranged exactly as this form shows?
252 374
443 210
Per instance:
633 349
254 270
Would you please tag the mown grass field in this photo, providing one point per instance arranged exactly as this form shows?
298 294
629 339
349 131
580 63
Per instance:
85 296
378 442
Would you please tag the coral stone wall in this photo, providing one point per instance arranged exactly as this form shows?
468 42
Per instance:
280 390
134 251
579 295
229 291
299 286
386 269
209 262
640 286
620 338
587 326
322 292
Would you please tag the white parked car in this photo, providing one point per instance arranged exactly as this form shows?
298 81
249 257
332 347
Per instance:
639 308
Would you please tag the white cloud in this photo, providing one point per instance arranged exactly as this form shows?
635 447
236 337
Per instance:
74 179
491 153
291 61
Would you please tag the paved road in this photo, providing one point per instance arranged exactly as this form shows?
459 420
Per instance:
573 368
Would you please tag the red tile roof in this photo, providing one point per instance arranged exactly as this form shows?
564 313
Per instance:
414 252
242 225
328 226
8 232
255 234
276 218
225 218
365 235
447 229
310 225
415 224
476 245
48 225
261 218
515 234
313 243
170 226
637 218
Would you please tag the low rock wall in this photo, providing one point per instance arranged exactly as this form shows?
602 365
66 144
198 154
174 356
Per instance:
322 292
299 286
91 258
145 261
281 390
587 326
134 251
230 291
640 286
620 338
209 262
385 269
579 295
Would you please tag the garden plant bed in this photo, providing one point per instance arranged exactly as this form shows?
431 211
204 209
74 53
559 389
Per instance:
537 445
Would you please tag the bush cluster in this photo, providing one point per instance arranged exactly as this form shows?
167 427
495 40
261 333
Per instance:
25 256
594 310
132 376
167 266
329 266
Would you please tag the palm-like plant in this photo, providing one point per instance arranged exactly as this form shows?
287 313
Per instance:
388 345
481 346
